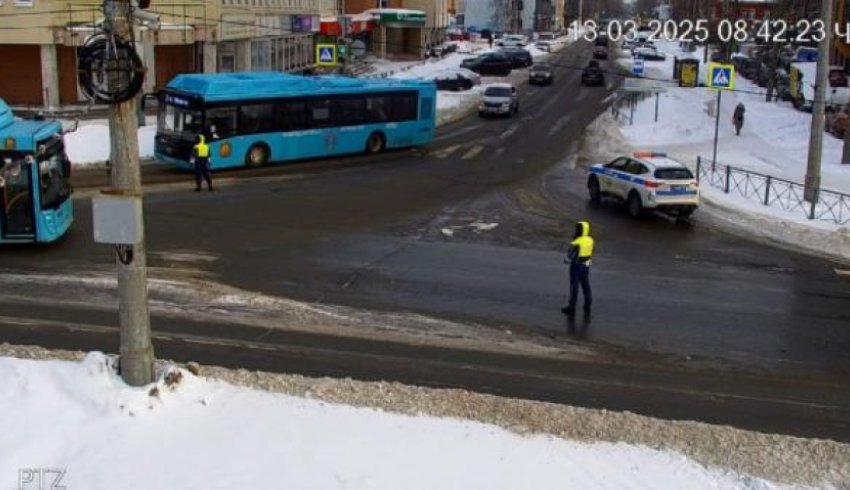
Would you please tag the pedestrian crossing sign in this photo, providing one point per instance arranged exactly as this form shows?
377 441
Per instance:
721 76
326 54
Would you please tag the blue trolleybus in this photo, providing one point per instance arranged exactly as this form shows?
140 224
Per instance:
250 119
35 196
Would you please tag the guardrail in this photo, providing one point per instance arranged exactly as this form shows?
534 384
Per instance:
831 206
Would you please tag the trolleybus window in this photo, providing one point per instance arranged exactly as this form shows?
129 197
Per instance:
256 118
177 120
291 115
223 119
320 113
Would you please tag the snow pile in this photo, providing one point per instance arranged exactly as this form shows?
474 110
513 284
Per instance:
188 432
89 144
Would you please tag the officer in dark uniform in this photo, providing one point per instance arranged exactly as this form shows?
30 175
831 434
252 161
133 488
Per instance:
201 162
578 257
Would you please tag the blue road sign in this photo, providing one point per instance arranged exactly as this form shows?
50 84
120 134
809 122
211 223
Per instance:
637 67
721 76
326 54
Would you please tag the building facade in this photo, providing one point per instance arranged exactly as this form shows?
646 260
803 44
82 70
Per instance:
404 28
39 41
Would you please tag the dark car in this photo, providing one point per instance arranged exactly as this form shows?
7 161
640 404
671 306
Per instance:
600 53
489 64
455 80
520 58
541 73
593 74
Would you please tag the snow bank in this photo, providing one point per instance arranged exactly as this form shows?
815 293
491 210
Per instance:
89 144
187 432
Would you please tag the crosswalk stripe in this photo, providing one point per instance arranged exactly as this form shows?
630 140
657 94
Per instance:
842 272
508 132
475 150
445 152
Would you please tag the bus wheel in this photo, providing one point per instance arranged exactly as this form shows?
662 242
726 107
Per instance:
257 156
375 143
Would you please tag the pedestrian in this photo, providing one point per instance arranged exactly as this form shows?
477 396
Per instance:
578 258
490 40
738 118
201 163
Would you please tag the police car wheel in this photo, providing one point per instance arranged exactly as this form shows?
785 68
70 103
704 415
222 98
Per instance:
635 205
593 189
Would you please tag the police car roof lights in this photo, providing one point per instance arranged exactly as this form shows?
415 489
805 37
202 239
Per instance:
649 154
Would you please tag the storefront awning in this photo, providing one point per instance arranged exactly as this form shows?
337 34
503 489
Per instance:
398 16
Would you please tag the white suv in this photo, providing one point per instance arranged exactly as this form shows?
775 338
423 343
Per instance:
646 180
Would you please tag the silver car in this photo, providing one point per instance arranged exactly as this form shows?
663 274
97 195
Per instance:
500 99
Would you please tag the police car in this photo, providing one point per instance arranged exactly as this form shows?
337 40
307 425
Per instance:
646 180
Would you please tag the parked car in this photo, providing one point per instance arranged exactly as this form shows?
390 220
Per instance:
648 54
520 58
489 64
512 41
544 46
541 73
592 74
440 50
455 80
499 99
600 53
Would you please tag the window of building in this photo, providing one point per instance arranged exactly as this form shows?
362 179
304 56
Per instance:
23 3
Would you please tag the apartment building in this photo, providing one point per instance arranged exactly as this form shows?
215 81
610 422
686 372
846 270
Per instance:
39 41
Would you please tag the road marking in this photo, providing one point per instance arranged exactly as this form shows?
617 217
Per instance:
475 150
609 98
511 130
581 95
499 151
610 85
559 124
446 151
842 272
531 92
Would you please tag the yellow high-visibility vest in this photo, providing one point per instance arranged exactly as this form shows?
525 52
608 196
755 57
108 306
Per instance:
202 149
584 242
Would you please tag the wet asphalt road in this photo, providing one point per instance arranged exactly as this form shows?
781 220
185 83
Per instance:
412 231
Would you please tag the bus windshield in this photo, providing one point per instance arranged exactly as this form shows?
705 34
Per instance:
180 121
55 188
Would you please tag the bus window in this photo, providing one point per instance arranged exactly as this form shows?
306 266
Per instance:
404 107
350 111
224 120
377 109
256 118
320 113
291 115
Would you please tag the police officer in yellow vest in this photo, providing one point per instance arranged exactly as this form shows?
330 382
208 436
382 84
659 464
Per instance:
201 162
578 257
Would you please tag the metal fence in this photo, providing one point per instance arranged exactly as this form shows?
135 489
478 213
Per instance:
770 191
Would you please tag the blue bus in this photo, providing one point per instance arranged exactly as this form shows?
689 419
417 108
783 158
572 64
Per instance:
35 195
250 119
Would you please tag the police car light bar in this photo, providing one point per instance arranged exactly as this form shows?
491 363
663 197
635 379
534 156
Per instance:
649 154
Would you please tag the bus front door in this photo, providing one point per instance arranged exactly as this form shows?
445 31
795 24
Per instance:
17 208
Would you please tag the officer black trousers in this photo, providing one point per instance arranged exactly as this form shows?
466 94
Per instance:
202 173
580 276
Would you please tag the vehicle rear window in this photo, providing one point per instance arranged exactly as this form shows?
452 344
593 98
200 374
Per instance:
541 67
673 174
498 92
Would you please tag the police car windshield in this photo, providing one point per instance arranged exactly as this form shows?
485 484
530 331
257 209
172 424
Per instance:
673 174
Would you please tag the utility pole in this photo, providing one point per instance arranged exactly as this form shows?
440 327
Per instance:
845 153
812 182
136 350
